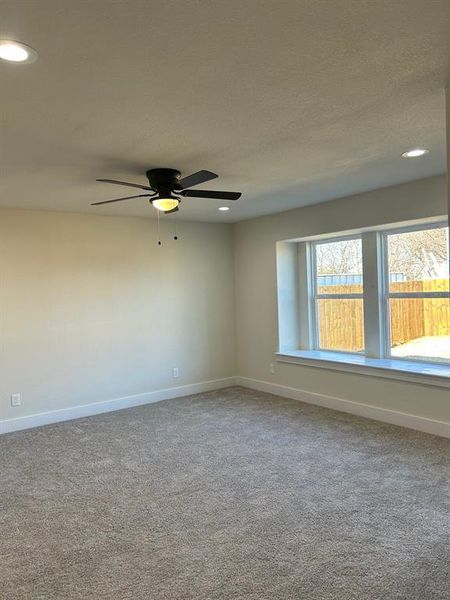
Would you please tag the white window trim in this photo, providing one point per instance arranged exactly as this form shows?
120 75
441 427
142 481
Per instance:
376 360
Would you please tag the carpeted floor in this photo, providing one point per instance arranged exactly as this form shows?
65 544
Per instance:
224 495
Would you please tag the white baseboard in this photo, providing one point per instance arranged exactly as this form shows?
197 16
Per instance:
441 428
86 410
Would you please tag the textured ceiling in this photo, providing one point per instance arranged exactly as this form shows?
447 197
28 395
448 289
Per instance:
291 102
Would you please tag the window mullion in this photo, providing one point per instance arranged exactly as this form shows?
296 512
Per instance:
339 296
373 295
314 322
418 294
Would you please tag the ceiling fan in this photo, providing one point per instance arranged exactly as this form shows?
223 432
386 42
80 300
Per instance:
167 188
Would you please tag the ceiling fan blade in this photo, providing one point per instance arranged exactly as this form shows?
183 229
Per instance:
120 199
211 194
136 185
196 179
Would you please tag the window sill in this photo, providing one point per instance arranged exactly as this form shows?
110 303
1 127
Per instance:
401 370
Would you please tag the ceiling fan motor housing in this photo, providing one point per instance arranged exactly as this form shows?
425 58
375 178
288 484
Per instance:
164 181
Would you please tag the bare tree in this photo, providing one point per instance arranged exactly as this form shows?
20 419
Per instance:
339 258
419 254
415 255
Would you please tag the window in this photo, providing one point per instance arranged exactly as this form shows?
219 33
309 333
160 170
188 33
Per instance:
378 299
417 301
338 295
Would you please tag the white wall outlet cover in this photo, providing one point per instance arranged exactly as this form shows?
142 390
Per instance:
16 400
176 372
272 367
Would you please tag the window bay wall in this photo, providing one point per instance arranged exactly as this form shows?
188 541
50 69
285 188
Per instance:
289 297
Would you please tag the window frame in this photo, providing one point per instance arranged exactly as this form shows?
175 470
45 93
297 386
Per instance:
314 295
387 294
375 296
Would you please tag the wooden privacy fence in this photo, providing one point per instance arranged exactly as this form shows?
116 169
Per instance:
341 322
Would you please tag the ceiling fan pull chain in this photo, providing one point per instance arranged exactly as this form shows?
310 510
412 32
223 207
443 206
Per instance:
175 237
159 231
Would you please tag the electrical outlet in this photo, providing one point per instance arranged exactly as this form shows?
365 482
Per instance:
16 400
175 372
272 367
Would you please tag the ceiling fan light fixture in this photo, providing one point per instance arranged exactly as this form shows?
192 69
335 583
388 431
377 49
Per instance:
165 204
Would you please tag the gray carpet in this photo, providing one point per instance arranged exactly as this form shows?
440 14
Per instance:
224 495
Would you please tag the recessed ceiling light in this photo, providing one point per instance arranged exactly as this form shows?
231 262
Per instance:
224 208
16 52
414 153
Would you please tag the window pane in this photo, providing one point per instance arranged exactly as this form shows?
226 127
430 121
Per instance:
341 324
339 267
418 261
420 328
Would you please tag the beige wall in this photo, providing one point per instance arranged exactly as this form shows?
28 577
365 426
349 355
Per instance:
92 309
256 304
